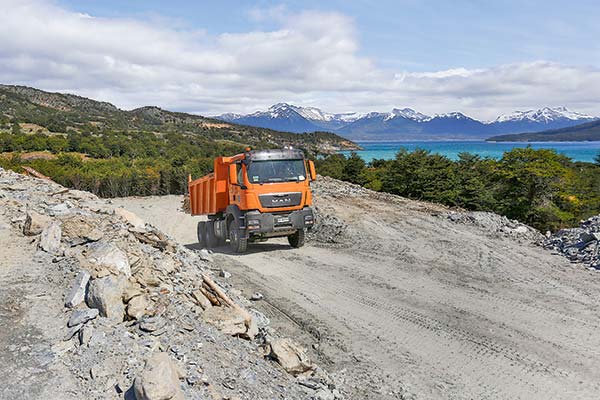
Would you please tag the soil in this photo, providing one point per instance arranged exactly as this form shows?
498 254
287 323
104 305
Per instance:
401 301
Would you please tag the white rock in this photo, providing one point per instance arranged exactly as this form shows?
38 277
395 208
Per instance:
50 238
105 294
108 255
77 292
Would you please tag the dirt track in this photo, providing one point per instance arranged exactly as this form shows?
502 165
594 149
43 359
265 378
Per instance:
410 303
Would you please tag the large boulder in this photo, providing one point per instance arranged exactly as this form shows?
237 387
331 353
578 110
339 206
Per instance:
231 321
159 380
291 357
106 295
106 258
79 229
50 238
35 223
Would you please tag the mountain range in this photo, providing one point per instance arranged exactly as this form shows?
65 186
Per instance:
406 123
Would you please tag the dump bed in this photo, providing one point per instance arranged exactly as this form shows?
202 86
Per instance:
209 194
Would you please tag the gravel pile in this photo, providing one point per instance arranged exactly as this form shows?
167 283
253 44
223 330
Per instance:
496 225
579 245
144 317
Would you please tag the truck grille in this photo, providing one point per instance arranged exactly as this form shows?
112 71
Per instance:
280 199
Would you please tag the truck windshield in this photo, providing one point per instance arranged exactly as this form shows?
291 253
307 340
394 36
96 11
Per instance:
276 171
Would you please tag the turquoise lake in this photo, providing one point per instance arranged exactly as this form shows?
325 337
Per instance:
578 151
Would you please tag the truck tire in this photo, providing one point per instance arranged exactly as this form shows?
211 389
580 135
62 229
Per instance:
237 240
297 239
201 233
211 238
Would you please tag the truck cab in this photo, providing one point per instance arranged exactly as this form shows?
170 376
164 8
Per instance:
253 196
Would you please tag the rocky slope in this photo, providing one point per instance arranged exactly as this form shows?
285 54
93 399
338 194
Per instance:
102 305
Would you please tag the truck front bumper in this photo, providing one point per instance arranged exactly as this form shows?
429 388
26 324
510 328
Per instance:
267 223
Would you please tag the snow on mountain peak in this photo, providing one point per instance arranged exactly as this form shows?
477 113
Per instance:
545 115
409 113
452 115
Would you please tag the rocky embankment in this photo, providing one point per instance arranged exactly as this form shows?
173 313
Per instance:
104 305
579 245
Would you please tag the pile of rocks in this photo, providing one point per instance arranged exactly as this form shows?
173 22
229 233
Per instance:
144 317
579 245
494 224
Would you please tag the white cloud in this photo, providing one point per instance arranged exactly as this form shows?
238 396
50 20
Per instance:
312 58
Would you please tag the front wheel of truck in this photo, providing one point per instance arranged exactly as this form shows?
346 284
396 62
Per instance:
297 239
237 240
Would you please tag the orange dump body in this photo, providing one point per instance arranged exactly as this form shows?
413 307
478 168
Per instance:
210 194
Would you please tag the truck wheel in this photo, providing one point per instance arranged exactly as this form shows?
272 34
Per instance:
201 233
237 240
211 238
297 239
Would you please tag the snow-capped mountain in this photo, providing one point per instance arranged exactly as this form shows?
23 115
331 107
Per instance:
406 123
544 115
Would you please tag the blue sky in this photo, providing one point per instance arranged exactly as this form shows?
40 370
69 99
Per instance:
412 34
480 57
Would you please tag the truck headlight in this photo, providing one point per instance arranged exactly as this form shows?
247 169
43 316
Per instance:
309 219
253 224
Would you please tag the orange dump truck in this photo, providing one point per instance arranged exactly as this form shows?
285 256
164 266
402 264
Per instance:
254 196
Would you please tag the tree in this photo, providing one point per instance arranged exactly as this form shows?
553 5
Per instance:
16 128
597 159
530 184
354 169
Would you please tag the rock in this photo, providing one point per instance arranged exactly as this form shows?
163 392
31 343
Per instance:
256 296
85 335
78 288
130 218
290 356
159 380
82 316
78 230
131 291
324 394
205 255
109 256
225 274
137 307
201 299
72 331
58 209
152 324
50 238
228 320
35 223
106 294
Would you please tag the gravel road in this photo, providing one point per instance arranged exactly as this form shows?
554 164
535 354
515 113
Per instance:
406 303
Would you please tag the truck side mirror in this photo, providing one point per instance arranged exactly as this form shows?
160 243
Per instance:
312 171
233 174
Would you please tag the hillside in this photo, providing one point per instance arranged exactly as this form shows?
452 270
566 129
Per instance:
589 131
90 145
61 113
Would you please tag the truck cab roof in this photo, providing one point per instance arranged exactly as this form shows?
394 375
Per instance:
275 154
